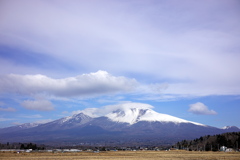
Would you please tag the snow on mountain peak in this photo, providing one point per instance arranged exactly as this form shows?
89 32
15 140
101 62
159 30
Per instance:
229 127
130 116
34 124
28 125
132 113
103 111
127 112
226 127
81 117
91 112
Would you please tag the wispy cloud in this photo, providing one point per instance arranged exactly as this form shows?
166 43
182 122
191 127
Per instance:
201 109
190 51
42 121
32 116
65 112
6 119
8 109
40 105
102 111
16 123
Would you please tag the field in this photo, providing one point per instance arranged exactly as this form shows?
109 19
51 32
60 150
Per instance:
125 155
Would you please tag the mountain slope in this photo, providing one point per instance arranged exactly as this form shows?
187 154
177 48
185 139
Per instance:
130 123
134 115
19 127
66 122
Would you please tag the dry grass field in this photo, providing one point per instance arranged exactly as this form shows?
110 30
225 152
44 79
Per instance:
125 155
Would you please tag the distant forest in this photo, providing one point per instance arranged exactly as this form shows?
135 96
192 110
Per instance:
205 143
22 146
211 143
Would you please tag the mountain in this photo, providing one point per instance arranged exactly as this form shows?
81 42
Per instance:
231 128
123 124
133 115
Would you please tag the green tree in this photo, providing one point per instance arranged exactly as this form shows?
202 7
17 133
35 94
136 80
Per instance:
22 146
221 139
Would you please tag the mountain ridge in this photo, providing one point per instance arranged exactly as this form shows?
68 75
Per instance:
134 112
125 124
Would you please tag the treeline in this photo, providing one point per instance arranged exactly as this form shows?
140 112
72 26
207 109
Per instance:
211 143
21 146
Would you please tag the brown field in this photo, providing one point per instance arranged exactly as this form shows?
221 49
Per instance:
125 155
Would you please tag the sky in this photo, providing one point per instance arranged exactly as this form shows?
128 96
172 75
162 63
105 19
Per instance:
58 57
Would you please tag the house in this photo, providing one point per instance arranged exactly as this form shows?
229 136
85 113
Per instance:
223 148
28 150
229 150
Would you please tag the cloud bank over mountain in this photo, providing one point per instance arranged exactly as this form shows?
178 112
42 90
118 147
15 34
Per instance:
103 111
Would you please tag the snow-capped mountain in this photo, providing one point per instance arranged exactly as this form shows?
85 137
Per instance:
129 123
132 113
20 127
231 128
77 118
67 122
135 112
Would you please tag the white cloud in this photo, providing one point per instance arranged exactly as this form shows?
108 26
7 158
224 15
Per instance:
65 112
92 112
85 85
42 121
102 111
40 105
121 38
200 108
16 123
5 119
8 109
32 116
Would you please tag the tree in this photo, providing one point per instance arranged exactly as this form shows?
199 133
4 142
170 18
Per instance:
22 146
221 139
207 147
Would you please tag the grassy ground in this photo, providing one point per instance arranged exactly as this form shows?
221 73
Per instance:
125 155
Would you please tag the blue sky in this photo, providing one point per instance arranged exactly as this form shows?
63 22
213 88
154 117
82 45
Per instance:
59 57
